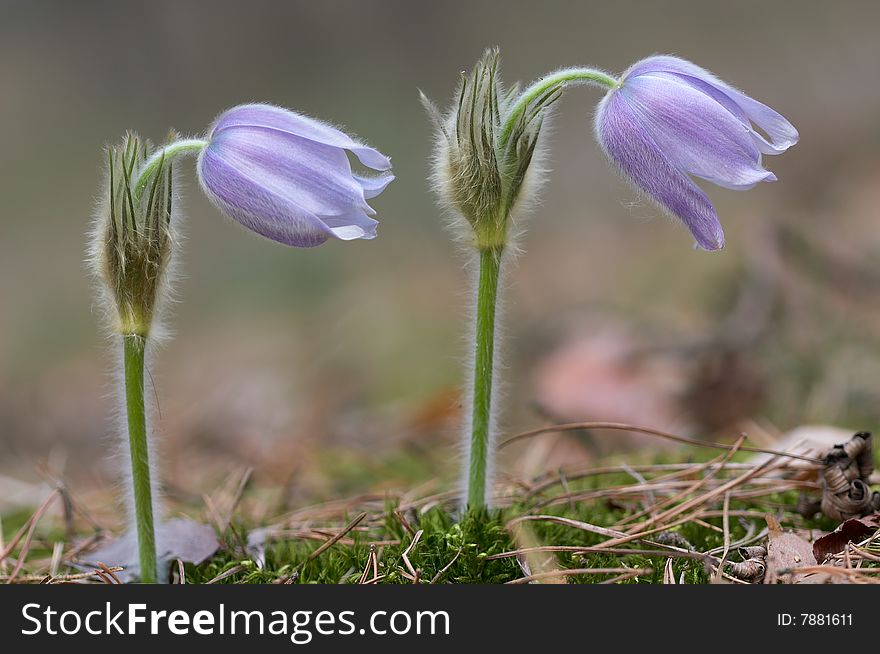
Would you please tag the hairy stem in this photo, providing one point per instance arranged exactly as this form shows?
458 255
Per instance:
538 89
134 346
165 154
484 344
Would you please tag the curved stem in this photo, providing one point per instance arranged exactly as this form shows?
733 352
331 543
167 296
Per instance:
134 346
166 153
484 344
560 78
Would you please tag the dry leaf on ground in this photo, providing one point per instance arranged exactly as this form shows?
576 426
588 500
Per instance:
786 552
853 530
179 538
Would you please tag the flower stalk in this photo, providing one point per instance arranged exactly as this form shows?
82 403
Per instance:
134 346
552 84
164 154
484 367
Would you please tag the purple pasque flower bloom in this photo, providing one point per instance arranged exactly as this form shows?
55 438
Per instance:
288 177
668 119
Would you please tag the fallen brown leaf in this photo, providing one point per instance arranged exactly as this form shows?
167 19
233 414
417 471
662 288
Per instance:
852 530
786 552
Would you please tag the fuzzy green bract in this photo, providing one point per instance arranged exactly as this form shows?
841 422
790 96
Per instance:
485 150
132 243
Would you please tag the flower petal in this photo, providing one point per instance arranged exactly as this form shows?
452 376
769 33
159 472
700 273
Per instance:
782 133
258 207
697 134
311 175
352 226
283 120
628 144
373 186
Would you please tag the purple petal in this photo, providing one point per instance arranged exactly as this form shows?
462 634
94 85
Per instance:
628 144
288 177
696 133
282 120
373 186
352 226
307 174
256 207
782 133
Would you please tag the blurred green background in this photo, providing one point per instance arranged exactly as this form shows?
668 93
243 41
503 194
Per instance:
343 357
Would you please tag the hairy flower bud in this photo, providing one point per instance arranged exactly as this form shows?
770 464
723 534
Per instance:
485 150
132 238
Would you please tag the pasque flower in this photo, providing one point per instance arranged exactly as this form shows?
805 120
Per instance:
288 177
664 120
279 173
668 119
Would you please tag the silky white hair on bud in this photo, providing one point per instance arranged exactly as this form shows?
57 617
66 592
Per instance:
485 185
169 270
105 242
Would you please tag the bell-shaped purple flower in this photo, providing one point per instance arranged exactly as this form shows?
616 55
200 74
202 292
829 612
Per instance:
668 119
288 177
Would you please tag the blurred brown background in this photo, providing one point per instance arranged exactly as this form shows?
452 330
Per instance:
338 367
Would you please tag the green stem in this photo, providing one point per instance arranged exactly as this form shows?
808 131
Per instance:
165 154
134 346
484 344
545 84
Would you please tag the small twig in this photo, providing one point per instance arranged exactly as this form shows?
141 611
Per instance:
110 572
616 537
213 513
851 574
371 562
374 580
672 551
565 488
726 526
866 555
31 527
236 498
702 499
57 552
445 568
579 426
24 528
223 575
685 468
85 546
405 523
330 543
707 525
104 577
714 466
669 572
62 579
405 555
651 498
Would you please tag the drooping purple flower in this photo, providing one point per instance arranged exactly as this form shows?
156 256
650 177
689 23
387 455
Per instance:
668 119
288 177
